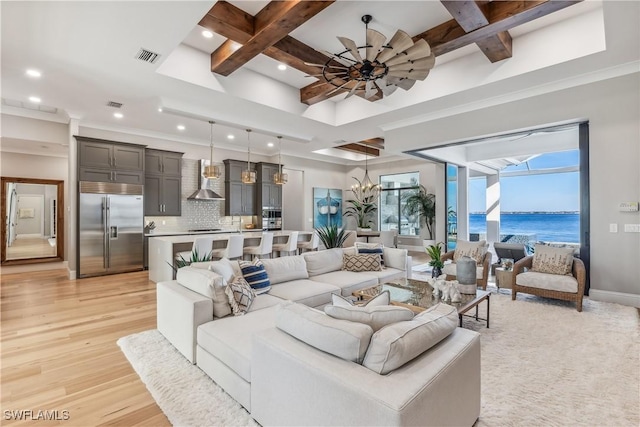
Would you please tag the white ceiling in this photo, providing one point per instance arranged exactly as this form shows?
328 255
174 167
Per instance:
85 51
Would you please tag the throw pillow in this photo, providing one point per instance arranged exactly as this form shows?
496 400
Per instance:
399 343
371 248
223 267
255 274
206 283
364 262
474 250
240 295
547 259
383 298
343 339
376 317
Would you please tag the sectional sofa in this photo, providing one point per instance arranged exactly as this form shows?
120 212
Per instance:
288 363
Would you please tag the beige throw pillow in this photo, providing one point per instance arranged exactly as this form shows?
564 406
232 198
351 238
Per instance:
206 283
361 262
376 316
474 250
547 259
240 295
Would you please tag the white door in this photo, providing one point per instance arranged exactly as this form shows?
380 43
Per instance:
293 200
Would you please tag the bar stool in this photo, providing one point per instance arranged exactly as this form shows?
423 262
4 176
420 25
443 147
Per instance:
234 249
310 245
291 245
202 247
263 248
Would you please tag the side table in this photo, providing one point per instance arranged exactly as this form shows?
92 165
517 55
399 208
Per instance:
504 278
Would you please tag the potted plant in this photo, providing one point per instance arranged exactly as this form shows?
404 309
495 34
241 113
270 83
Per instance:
363 205
331 236
422 204
435 253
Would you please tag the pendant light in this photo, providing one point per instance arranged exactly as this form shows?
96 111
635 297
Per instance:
366 186
279 177
211 171
249 175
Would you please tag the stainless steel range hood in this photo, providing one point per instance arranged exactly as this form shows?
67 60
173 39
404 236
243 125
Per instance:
204 192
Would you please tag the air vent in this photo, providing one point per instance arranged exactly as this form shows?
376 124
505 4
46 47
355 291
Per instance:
114 104
147 56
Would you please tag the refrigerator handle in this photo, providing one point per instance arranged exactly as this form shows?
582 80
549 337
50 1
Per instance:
107 246
105 241
113 232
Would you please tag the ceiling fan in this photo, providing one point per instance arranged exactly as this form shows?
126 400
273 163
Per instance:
397 64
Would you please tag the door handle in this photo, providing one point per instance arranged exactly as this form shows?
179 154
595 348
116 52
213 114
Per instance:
115 174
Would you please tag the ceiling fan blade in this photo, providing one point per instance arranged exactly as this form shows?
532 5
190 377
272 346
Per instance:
340 59
400 42
414 74
375 40
386 88
405 84
353 90
370 89
420 49
311 64
338 88
420 64
351 45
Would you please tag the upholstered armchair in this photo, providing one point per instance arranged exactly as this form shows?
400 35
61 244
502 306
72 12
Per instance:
568 287
482 269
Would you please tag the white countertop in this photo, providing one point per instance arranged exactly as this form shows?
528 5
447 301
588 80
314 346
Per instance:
219 235
180 233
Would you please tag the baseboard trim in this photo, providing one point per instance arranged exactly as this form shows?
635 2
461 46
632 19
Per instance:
72 274
623 298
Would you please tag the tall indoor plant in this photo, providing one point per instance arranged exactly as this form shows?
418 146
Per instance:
363 204
421 203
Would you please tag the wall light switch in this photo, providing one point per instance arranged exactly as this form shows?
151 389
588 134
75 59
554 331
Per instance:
613 228
632 228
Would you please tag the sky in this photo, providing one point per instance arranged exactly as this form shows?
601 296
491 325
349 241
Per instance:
547 192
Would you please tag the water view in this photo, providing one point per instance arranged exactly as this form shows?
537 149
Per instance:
549 227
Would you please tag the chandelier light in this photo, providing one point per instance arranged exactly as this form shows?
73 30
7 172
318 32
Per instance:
396 64
279 177
366 187
249 175
211 171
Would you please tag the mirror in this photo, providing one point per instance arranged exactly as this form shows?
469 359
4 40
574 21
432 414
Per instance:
33 225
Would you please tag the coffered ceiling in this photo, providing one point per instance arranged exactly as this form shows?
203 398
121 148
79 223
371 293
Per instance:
485 50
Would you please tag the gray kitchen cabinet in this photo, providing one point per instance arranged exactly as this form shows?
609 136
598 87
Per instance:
163 183
108 161
240 197
269 194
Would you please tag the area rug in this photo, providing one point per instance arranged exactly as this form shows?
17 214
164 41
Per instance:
543 364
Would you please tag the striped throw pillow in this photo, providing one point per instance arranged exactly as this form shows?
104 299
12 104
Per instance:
255 275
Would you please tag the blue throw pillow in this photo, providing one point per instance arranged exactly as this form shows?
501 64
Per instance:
255 275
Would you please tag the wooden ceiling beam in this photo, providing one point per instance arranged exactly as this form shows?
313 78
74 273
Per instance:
362 149
373 142
229 21
472 15
274 22
502 16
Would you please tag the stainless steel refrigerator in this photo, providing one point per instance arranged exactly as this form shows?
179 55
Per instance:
110 228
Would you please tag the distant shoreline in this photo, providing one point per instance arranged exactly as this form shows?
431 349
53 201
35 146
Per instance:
532 213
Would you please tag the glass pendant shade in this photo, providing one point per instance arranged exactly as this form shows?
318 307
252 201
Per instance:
248 175
211 171
279 177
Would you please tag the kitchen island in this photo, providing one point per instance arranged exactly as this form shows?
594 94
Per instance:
163 249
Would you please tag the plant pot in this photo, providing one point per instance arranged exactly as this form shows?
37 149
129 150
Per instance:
437 271
364 229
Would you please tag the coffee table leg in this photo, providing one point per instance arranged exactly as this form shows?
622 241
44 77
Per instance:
460 317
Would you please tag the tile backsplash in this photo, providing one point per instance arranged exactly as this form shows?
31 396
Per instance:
197 214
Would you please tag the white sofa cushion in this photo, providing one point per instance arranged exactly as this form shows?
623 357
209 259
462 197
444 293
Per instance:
375 316
286 268
551 282
398 343
383 298
395 258
387 274
348 281
323 261
344 339
208 284
229 339
305 291
474 250
547 259
450 269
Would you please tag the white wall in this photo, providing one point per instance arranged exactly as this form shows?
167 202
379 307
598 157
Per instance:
612 108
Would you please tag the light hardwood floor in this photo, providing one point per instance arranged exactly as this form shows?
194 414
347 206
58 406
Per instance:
30 247
59 348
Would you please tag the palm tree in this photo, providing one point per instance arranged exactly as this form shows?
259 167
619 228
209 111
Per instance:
422 204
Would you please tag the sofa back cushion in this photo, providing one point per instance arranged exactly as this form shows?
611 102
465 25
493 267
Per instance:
399 343
395 258
474 250
322 262
547 259
344 339
208 284
285 269
376 316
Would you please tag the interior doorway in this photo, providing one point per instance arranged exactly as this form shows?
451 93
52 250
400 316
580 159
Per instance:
292 195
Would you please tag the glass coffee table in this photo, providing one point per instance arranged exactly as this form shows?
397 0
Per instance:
417 295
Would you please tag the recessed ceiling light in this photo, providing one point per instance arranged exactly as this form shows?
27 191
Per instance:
270 144
230 136
282 67
181 127
34 99
33 73
118 115
160 110
208 34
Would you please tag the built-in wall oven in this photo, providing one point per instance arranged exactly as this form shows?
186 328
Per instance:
272 219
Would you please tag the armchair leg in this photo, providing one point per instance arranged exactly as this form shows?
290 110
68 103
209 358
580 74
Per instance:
513 294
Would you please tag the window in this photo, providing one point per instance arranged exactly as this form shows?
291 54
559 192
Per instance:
394 187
